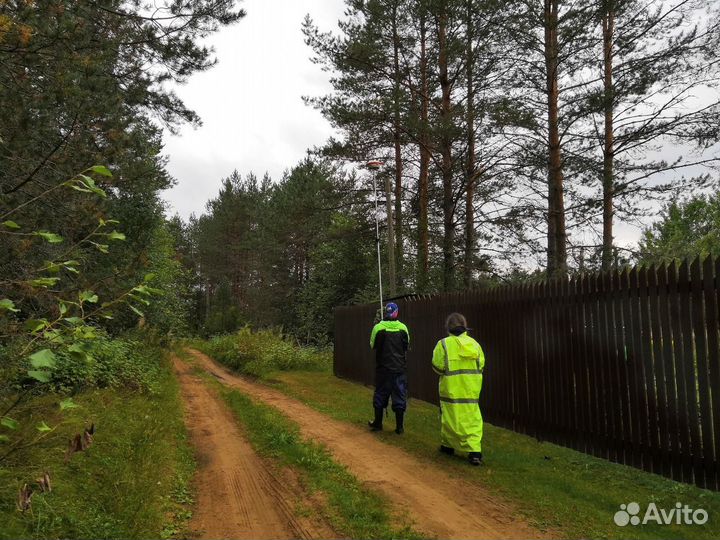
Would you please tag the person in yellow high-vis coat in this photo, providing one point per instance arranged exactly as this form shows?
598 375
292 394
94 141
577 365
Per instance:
459 360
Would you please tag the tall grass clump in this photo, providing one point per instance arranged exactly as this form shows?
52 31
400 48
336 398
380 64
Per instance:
259 353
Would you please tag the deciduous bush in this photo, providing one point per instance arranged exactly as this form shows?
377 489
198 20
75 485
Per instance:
109 363
259 353
101 362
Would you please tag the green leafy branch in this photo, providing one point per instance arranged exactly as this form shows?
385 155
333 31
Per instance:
71 327
81 182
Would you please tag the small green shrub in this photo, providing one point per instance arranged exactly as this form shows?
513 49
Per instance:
108 363
259 353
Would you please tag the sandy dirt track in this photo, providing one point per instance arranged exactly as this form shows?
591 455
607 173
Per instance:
438 504
238 496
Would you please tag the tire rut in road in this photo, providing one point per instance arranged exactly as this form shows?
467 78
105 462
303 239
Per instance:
237 495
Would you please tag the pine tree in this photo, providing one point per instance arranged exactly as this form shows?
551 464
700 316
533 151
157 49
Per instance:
655 56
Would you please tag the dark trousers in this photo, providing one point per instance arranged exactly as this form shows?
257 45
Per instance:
390 385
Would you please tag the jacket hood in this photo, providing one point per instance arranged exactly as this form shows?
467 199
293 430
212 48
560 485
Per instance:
392 324
467 346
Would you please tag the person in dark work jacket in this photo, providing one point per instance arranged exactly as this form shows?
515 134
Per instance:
390 339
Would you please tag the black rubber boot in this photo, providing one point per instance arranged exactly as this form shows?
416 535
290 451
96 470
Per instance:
399 418
475 458
447 450
376 425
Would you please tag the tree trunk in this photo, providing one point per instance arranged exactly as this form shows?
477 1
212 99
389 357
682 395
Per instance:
398 155
446 155
470 167
207 301
608 150
423 242
557 235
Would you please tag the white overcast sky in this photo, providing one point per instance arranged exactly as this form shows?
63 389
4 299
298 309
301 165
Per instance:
251 104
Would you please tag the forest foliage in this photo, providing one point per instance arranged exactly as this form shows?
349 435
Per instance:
87 254
264 352
280 253
520 140
521 133
84 99
517 137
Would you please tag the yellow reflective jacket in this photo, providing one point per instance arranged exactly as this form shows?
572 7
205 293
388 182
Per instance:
459 360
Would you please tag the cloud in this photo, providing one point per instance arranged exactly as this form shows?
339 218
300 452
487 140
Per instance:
251 104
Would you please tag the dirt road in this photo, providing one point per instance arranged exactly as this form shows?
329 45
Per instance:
440 505
238 496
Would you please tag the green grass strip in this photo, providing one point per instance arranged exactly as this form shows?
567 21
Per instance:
353 510
133 481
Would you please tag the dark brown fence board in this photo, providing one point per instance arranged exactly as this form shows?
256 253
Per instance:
553 360
681 433
526 411
618 351
702 369
598 366
565 342
608 326
606 322
630 366
543 377
585 337
661 400
531 344
578 363
639 368
513 337
711 276
542 427
506 351
564 349
649 377
623 365
597 404
559 331
505 405
680 372
690 364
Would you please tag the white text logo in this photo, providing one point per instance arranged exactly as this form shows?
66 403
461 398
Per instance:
629 514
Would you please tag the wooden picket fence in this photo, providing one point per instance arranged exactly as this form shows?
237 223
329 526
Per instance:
624 365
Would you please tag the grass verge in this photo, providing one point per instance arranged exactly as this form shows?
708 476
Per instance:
555 488
132 482
351 509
